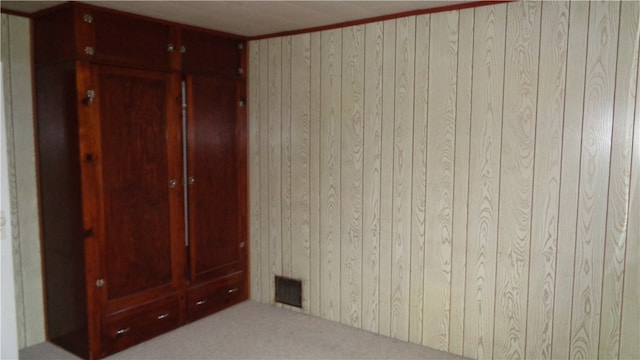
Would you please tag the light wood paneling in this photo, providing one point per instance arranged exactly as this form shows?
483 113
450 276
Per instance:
619 181
351 174
484 178
516 178
300 162
594 175
371 177
402 161
314 177
264 173
330 140
569 175
254 171
546 183
418 182
274 153
463 180
386 178
285 126
441 139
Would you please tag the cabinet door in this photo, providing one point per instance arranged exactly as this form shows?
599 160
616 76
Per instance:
206 53
213 169
142 250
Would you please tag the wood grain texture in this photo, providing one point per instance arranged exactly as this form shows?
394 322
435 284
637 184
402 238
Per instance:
351 174
441 143
546 183
594 174
619 182
314 176
300 162
285 139
484 182
629 337
402 161
371 176
254 170
274 153
330 140
461 179
265 272
568 207
418 179
386 172
516 178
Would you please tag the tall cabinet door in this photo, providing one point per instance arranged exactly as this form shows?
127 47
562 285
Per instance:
216 269
142 249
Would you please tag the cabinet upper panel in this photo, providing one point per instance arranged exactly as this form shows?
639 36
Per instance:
206 53
102 36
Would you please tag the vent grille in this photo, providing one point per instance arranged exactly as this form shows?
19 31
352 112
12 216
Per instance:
289 291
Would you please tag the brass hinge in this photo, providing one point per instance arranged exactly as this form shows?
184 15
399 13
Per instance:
100 283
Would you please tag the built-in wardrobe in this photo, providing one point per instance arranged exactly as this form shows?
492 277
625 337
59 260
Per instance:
141 135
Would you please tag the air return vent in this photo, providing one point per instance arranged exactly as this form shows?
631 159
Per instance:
289 291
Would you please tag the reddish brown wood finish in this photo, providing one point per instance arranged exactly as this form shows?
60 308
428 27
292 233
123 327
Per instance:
209 54
213 164
108 211
60 207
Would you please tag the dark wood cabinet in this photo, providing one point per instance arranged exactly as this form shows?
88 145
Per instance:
143 202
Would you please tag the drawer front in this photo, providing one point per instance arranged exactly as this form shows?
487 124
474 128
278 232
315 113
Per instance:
120 39
132 326
205 299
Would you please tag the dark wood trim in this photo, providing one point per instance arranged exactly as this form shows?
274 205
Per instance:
382 18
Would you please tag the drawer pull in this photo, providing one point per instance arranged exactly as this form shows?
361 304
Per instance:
201 302
165 315
122 331
231 291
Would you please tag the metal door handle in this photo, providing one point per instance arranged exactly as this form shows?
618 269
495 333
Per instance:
122 331
201 302
165 315
231 291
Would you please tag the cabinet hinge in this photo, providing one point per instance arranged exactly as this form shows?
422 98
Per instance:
240 46
87 18
89 50
91 94
100 283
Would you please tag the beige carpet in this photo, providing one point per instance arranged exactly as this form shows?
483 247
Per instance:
256 331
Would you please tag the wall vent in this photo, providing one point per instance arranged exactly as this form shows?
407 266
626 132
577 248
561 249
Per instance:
289 291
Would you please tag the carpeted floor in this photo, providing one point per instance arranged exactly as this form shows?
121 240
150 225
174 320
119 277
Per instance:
257 331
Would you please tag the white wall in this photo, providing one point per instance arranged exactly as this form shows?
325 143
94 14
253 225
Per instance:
8 326
16 70
464 180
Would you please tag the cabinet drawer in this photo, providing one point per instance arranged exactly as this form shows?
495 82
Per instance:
205 299
132 326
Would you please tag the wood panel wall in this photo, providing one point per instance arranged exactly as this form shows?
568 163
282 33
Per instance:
465 180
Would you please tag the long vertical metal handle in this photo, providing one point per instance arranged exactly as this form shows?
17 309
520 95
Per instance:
185 163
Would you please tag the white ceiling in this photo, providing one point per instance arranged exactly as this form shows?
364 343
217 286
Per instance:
252 18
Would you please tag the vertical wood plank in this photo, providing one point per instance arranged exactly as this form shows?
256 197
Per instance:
371 176
314 176
418 179
629 338
484 181
546 183
275 163
264 173
619 181
254 169
440 178
516 178
402 161
300 162
594 174
351 174
569 177
461 179
330 126
386 176
286 155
